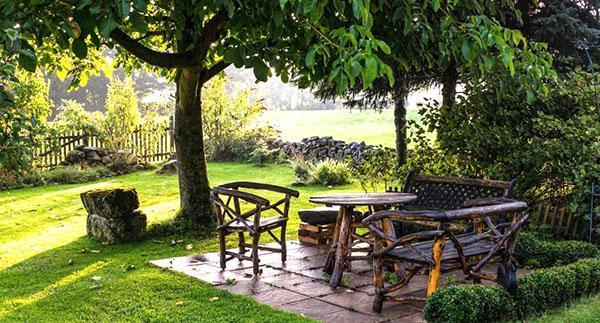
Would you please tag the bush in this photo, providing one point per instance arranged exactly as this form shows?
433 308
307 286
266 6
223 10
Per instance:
469 303
329 172
531 251
545 289
537 292
60 175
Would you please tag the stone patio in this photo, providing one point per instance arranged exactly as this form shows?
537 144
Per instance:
298 285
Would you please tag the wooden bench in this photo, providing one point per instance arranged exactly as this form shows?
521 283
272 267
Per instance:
448 193
442 250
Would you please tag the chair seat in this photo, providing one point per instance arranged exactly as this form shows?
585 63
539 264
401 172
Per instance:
266 223
478 248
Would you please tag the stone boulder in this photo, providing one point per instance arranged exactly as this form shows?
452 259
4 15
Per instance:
113 215
168 168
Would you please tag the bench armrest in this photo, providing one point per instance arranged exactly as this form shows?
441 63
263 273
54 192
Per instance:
248 197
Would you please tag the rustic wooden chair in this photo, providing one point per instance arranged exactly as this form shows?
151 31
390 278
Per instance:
242 212
442 250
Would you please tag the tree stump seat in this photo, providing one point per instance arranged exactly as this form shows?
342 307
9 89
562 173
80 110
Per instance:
322 215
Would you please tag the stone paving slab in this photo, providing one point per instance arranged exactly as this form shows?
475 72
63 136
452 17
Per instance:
299 286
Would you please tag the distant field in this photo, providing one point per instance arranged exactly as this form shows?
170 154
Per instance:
349 125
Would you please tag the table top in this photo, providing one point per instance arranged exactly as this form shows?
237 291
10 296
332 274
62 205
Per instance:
364 199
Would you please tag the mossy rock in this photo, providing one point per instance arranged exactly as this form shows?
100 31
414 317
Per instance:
111 203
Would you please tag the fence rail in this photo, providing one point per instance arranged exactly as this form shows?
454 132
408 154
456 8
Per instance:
560 220
53 151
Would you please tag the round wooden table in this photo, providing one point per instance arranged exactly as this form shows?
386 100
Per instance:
341 235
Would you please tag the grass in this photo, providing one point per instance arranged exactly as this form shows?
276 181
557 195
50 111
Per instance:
372 127
49 270
585 310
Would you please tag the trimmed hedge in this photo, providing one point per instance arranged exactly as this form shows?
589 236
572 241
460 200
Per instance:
545 289
469 303
537 292
533 252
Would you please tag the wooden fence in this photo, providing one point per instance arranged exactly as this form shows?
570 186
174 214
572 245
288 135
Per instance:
52 151
560 220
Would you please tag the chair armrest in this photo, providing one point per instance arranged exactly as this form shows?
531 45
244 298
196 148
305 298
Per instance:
486 201
249 197
261 186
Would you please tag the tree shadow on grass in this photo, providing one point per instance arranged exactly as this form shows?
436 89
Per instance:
86 280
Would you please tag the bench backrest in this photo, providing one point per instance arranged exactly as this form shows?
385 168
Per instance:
449 193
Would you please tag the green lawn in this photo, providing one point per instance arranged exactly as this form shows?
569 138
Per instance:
43 229
584 311
369 126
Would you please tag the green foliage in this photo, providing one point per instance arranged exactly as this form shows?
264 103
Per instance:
59 175
72 117
32 95
260 156
122 114
550 146
151 128
375 168
230 122
533 252
469 303
546 289
329 172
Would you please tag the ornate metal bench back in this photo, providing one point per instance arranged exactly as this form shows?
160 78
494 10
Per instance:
449 193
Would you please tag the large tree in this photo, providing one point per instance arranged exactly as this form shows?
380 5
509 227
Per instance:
433 42
190 41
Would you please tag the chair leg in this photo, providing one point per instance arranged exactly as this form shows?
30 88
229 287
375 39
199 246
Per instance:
241 243
283 244
222 254
255 260
436 269
378 282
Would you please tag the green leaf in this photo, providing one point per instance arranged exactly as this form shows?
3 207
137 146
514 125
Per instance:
79 47
340 5
27 60
369 73
123 9
261 71
107 25
309 60
83 3
468 51
435 5
309 5
282 3
140 5
357 5
138 22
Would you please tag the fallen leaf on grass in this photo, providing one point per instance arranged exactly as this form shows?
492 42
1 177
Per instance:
180 303
70 262
213 299
189 246
96 278
96 286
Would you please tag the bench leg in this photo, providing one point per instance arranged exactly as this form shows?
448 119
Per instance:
436 269
378 282
241 243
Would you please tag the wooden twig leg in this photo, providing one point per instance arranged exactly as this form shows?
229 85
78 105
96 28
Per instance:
255 260
378 283
241 243
436 269
342 248
334 242
283 245
222 254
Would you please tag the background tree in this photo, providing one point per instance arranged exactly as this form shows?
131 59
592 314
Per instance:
192 41
433 43
122 114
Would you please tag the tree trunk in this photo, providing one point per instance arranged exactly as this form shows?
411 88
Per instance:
400 124
449 80
196 209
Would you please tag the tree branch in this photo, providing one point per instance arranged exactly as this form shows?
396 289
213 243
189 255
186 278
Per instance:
209 73
211 32
153 57
152 33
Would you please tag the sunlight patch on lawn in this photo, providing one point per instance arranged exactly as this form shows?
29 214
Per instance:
12 305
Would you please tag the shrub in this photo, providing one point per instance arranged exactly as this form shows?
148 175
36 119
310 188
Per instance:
469 303
545 289
260 156
375 168
534 252
122 114
301 168
537 292
60 175
329 172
